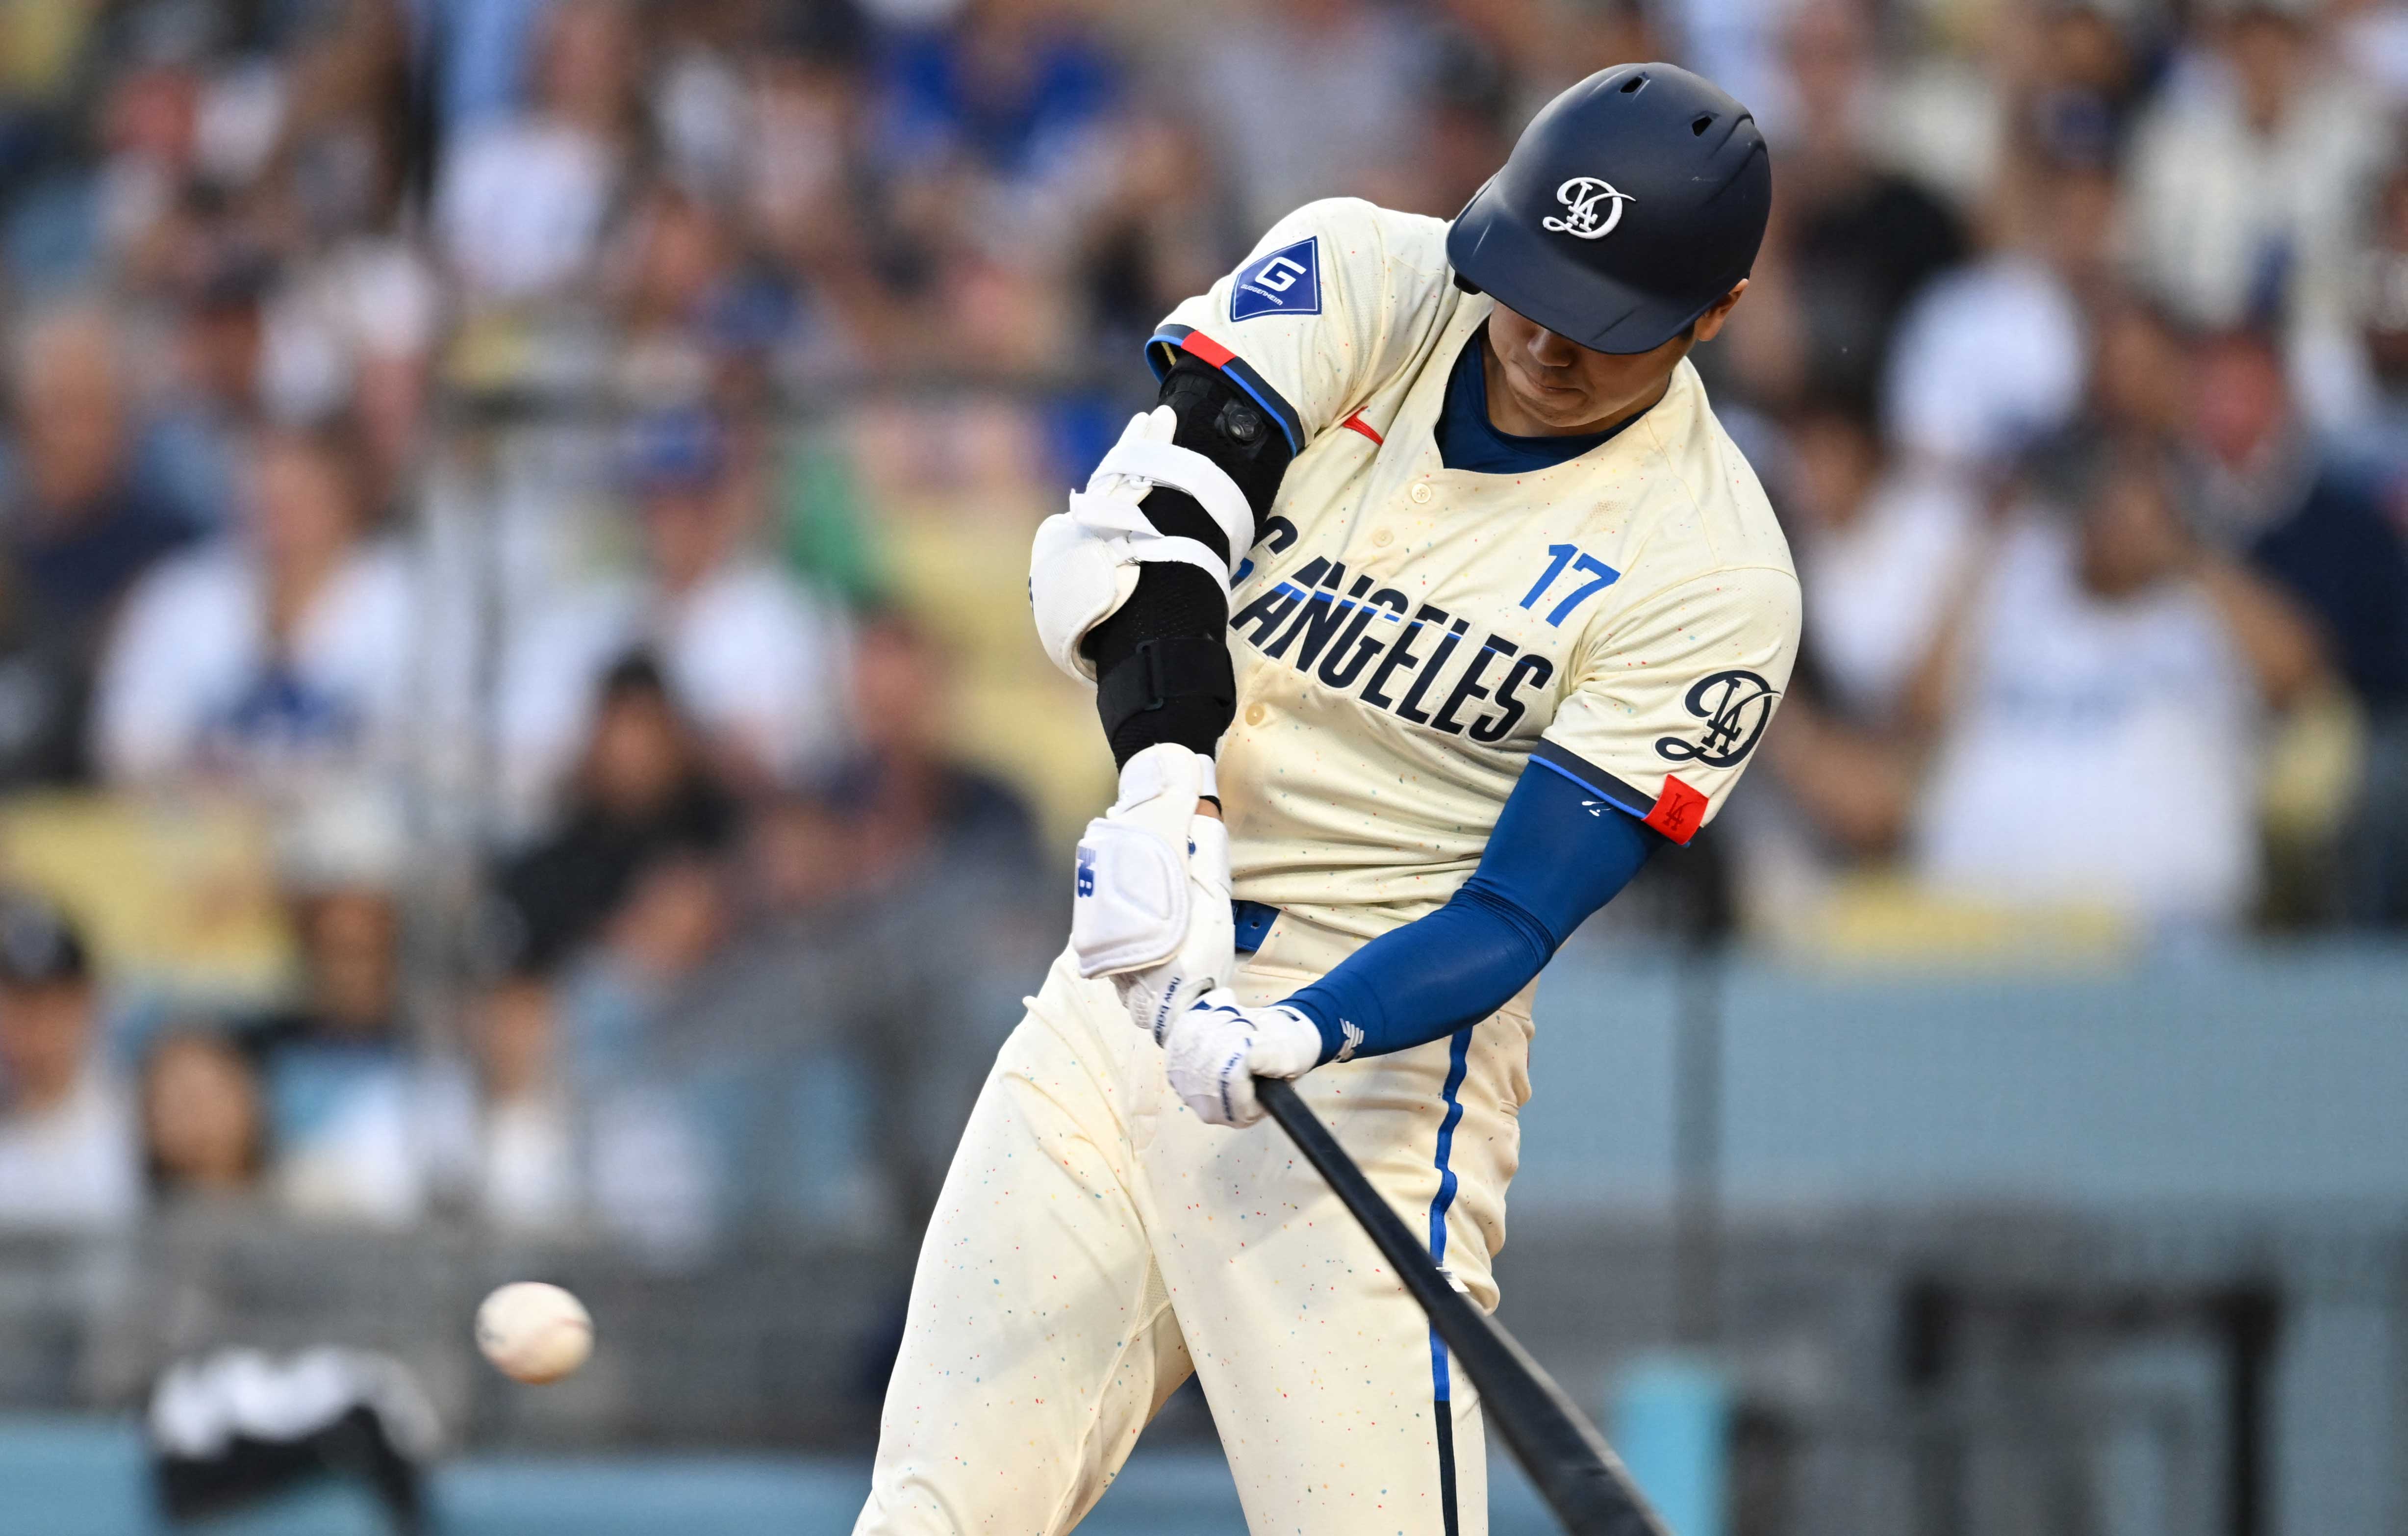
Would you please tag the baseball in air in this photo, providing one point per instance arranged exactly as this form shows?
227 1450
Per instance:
533 1333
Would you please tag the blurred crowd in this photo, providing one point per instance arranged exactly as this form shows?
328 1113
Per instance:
2080 393
566 467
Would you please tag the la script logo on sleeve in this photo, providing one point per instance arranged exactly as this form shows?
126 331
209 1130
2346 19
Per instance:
1285 282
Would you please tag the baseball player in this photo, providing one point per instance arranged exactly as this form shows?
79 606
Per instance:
1428 603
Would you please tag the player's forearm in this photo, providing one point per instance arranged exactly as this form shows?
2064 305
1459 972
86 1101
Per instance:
1551 861
1427 979
1162 661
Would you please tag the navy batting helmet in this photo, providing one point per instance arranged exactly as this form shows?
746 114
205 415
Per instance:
1632 202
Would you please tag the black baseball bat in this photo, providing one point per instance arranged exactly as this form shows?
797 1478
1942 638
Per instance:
1580 1477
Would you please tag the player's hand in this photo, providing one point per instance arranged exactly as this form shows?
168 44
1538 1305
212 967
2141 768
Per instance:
1152 906
1215 1049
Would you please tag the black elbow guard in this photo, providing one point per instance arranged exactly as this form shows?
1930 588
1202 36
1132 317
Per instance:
1222 421
1162 660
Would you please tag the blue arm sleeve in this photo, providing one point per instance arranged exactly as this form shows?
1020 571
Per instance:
1550 862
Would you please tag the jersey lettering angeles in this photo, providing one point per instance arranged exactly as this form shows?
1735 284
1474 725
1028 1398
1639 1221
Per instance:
1408 639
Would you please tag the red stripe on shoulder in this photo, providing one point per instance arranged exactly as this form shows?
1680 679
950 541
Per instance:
1355 423
1679 810
1206 348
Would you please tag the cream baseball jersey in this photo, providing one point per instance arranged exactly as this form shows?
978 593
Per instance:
1408 638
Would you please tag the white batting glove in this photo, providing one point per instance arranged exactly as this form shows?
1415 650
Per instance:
1214 1050
1153 905
1206 955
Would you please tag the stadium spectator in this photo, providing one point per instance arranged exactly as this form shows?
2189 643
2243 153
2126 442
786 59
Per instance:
2102 648
203 1132
148 131
2084 79
644 791
350 335
524 1177
278 654
81 528
2368 405
1889 546
2265 488
1311 98
802 853
618 909
523 199
1993 357
679 296
1530 53
202 418
343 1096
1854 240
80 531
67 1124
917 802
755 657
993 127
1882 545
2245 170
1160 235
806 161
2320 531
550 1154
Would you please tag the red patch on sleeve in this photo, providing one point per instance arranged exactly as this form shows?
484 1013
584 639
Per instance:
1680 810
1356 423
1206 348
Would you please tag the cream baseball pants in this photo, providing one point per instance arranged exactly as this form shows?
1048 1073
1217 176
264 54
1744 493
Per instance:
1096 1244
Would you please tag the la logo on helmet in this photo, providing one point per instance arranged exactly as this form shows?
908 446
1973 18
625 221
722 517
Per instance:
1581 197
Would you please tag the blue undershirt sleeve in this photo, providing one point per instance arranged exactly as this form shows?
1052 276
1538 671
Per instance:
1555 856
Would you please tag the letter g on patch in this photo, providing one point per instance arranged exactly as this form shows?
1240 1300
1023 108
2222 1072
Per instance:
1287 281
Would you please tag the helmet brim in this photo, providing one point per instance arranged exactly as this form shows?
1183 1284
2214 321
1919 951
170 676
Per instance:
1534 275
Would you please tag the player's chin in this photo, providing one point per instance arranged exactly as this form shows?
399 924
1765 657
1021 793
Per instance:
1556 406
1568 409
